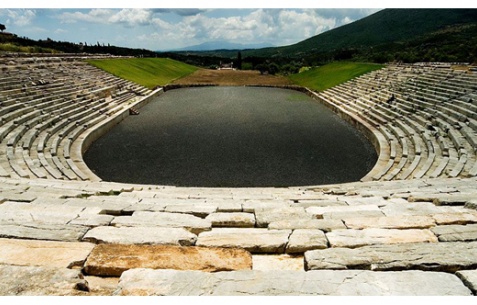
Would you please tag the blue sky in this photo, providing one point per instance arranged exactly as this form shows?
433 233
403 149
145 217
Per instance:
154 26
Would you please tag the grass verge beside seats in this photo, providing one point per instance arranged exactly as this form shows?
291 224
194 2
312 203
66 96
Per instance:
149 72
327 76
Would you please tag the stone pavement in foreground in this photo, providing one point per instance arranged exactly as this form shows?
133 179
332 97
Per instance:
414 237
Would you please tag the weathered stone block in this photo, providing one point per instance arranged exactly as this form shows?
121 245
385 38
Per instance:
392 222
302 240
113 260
242 220
456 233
278 262
417 256
41 281
325 225
141 235
148 282
43 232
164 220
357 238
43 253
266 216
253 240
469 277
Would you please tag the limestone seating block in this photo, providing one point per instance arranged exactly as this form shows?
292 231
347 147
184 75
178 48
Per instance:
113 260
148 282
241 220
317 203
141 235
41 281
192 223
251 206
453 233
378 201
466 217
199 210
417 209
253 240
277 262
318 212
391 222
92 220
352 214
302 240
410 256
31 230
21 212
265 216
356 238
326 225
43 253
469 277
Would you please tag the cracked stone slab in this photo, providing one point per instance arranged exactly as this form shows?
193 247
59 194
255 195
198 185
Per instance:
325 225
469 277
199 210
456 232
113 260
192 223
302 240
391 222
43 253
466 217
148 282
356 238
21 212
317 203
41 281
254 205
141 235
43 231
417 209
319 212
266 216
253 240
242 220
417 256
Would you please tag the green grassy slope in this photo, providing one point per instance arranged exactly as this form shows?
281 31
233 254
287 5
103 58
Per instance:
332 74
149 72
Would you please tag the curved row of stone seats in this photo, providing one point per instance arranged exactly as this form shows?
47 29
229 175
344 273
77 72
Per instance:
46 109
125 235
426 116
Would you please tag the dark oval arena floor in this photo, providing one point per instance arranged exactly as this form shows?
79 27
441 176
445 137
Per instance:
232 137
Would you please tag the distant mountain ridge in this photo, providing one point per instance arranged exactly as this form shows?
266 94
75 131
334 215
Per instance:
223 45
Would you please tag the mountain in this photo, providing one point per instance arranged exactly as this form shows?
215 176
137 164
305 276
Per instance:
223 45
391 34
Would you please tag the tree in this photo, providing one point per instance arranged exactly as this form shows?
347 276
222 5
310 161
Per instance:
239 61
2 27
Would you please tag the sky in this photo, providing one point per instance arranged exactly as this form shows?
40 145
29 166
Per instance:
156 25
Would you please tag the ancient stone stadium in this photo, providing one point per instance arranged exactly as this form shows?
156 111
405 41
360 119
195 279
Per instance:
408 227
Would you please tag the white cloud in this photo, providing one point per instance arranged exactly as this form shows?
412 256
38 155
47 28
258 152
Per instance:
20 17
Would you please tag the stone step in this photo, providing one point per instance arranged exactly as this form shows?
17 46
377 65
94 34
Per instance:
41 281
113 259
149 282
447 257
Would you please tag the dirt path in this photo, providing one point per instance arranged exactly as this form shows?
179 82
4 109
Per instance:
232 78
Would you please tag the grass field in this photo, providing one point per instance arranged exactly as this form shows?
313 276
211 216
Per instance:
149 72
332 74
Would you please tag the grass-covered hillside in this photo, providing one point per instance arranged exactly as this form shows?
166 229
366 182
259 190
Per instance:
149 72
327 76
